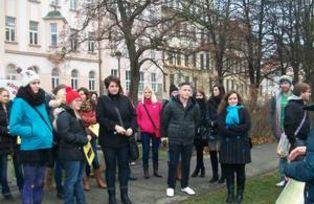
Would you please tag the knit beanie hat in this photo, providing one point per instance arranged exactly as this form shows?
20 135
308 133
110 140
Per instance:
28 76
173 88
71 95
285 78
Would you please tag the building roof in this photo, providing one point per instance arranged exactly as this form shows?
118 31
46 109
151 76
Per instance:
54 15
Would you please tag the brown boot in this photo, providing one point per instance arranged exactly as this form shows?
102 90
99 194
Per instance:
48 182
178 176
100 182
86 183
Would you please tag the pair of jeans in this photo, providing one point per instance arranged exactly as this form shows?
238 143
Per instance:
114 155
146 138
4 174
18 170
73 183
58 167
95 162
34 177
175 151
282 163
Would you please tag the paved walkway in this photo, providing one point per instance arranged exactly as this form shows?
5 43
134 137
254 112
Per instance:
152 191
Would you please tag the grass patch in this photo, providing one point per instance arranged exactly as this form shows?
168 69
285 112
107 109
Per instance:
259 190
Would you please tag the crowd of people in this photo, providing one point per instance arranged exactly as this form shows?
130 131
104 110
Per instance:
46 134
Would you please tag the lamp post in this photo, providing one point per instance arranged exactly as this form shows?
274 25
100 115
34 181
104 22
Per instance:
118 54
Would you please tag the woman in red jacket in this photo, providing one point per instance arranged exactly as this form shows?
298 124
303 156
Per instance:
88 114
148 113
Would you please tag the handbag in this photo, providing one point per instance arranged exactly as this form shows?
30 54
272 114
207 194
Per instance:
156 130
134 150
284 145
204 133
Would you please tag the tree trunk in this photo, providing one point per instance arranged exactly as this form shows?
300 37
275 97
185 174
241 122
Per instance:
253 98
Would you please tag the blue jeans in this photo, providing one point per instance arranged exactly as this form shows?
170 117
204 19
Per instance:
34 176
146 137
73 187
282 163
175 151
4 175
58 176
113 156
95 162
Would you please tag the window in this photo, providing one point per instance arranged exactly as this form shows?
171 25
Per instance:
10 29
114 72
186 60
73 4
54 2
74 40
170 58
207 61
34 68
127 80
179 59
202 61
91 42
171 78
91 80
33 33
55 77
11 73
53 34
154 81
141 85
74 79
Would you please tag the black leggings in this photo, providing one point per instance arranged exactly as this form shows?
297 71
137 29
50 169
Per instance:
230 170
214 162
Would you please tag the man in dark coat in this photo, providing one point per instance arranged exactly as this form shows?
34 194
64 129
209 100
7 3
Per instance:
303 170
181 117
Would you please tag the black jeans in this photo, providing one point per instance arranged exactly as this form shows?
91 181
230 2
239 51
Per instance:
199 147
214 162
146 137
113 156
174 152
230 170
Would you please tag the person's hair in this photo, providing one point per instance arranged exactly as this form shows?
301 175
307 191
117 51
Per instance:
300 88
85 91
201 92
58 88
114 79
221 88
224 102
153 98
92 93
2 89
185 84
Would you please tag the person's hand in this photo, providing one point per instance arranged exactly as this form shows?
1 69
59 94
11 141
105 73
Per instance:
89 137
299 151
120 130
129 132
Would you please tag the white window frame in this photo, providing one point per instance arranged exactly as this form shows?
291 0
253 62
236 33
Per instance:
127 80
33 33
53 34
74 79
114 72
141 84
73 5
11 73
55 77
91 42
74 40
154 82
10 34
92 81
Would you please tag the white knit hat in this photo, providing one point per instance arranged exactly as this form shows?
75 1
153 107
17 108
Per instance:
28 76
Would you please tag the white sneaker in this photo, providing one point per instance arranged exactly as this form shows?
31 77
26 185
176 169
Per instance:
281 184
188 191
170 192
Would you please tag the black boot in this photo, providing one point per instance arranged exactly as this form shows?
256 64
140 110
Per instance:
125 197
112 197
230 188
239 196
202 172
240 189
222 179
146 173
214 178
195 172
156 174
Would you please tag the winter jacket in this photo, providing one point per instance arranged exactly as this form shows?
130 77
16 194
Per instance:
6 141
72 136
180 122
303 170
143 119
213 104
108 118
35 133
294 114
235 143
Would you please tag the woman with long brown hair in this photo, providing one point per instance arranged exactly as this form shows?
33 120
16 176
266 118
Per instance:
235 152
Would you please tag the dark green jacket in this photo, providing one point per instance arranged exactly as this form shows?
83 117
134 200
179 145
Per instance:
180 123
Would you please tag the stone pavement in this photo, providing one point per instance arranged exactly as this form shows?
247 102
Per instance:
152 191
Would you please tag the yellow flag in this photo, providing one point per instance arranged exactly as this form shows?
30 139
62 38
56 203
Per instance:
94 128
89 153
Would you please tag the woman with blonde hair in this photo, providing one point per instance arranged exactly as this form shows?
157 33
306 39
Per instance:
148 117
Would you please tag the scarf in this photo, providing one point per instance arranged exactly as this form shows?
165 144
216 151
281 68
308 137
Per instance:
232 117
34 99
